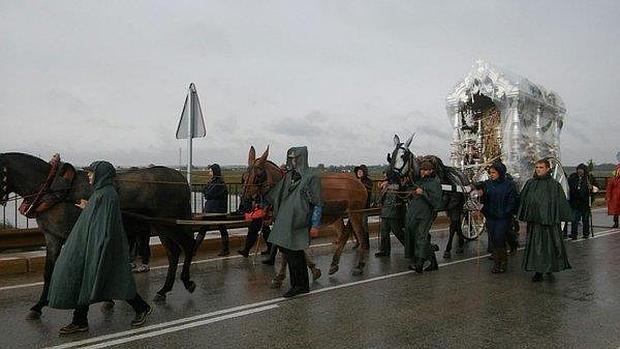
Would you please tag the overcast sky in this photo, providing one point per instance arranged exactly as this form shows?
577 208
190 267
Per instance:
107 79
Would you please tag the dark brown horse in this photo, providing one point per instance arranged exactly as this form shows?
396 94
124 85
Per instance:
342 195
155 192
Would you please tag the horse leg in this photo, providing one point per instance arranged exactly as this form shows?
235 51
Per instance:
173 252
281 262
447 253
455 216
357 224
316 272
53 245
341 241
189 248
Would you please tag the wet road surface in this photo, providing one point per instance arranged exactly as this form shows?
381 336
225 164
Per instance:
462 305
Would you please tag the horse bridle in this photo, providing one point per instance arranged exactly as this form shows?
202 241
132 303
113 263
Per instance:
406 160
4 186
263 183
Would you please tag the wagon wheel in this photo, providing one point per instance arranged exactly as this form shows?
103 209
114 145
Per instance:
472 224
557 173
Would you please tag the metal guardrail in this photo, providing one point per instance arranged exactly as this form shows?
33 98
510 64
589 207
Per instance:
12 219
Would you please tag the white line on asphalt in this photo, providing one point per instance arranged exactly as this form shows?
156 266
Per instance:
134 336
200 261
277 300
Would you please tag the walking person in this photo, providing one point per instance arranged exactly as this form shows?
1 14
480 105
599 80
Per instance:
392 209
612 196
92 266
215 194
499 198
421 212
296 201
543 206
580 191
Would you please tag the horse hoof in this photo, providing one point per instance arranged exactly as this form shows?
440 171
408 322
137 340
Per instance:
316 274
276 283
159 298
190 287
107 306
33 315
357 271
447 254
332 269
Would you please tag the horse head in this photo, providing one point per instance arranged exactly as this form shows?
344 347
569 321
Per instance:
402 162
261 175
21 174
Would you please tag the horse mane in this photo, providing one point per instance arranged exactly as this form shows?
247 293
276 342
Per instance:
23 157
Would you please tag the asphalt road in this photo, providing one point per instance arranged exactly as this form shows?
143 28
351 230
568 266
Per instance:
462 305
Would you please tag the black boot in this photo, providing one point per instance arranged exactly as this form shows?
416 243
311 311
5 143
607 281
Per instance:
501 260
418 266
225 241
615 226
537 277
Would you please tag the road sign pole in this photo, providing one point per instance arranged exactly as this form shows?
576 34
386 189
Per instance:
189 136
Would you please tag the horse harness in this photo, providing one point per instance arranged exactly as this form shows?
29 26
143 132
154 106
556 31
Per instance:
47 197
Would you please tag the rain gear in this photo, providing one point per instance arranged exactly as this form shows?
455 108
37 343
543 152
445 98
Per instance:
421 212
543 206
216 192
612 193
94 262
296 201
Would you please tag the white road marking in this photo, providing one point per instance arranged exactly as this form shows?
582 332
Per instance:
189 323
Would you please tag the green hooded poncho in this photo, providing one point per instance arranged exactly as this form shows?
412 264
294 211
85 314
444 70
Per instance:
421 212
293 198
543 206
94 262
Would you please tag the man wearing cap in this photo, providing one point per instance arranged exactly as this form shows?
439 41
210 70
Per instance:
296 201
421 212
580 189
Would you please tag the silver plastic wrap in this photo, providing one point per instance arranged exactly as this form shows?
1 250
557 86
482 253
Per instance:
496 114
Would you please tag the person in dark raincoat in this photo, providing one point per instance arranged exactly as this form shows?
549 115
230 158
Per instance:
543 207
392 212
499 196
216 201
580 189
361 173
93 264
296 201
421 212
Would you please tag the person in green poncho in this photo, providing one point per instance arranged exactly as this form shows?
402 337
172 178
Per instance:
93 264
421 212
296 201
543 207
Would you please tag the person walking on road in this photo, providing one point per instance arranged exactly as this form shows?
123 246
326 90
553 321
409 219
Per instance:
296 201
421 212
499 198
216 201
543 206
612 195
580 190
93 264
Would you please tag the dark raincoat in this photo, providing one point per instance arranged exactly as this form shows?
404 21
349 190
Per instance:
94 262
421 212
216 192
543 206
294 198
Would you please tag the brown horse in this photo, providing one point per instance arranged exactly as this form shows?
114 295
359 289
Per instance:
342 195
156 192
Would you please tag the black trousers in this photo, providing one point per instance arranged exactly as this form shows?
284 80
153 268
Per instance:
80 314
297 268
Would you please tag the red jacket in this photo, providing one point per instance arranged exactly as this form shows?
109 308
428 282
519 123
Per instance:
612 193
